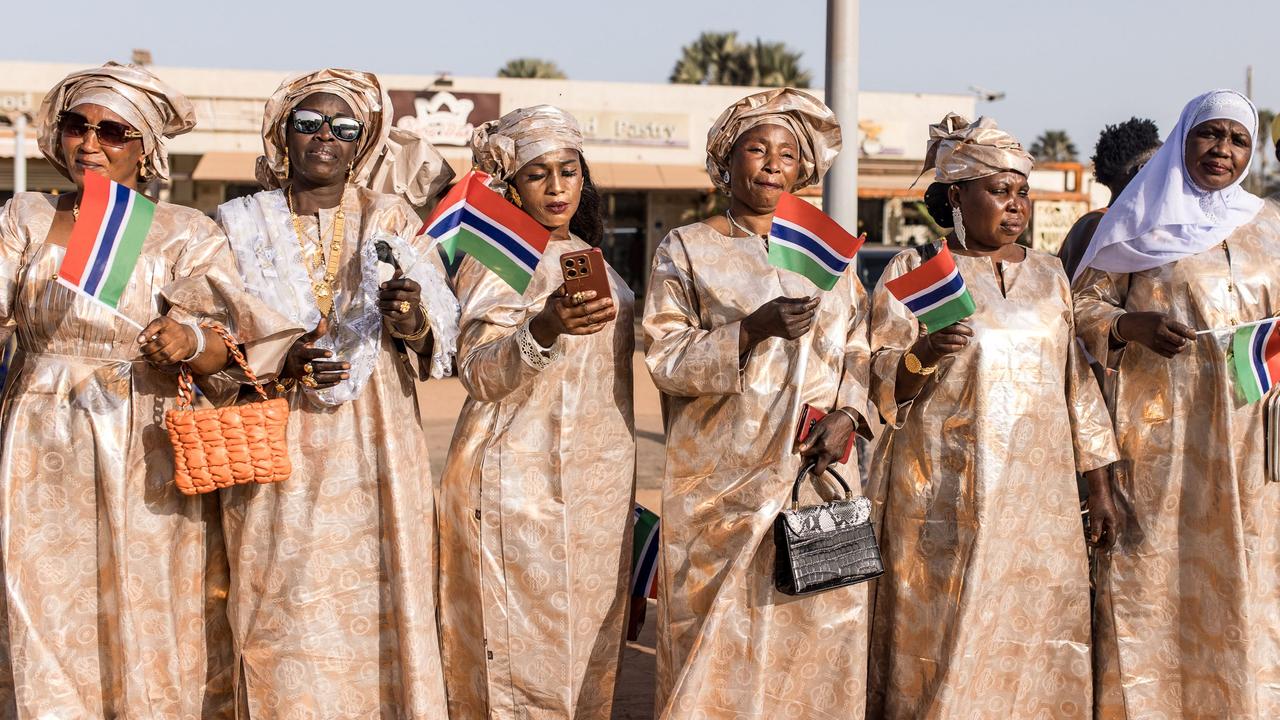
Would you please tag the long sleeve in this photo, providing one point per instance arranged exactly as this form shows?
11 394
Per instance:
1099 300
856 374
490 365
13 246
1092 433
206 285
893 329
684 358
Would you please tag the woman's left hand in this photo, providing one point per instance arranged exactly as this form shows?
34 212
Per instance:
400 301
166 342
827 441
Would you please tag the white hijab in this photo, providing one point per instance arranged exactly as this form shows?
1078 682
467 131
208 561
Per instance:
1162 215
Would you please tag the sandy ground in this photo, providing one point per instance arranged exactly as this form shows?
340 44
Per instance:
440 401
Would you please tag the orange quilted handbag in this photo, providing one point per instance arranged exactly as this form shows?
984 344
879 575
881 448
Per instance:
224 446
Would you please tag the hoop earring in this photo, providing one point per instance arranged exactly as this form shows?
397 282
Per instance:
957 220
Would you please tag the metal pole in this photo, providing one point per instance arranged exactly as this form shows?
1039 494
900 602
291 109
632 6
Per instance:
20 152
840 187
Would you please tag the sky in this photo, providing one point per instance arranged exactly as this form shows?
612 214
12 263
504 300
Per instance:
1072 64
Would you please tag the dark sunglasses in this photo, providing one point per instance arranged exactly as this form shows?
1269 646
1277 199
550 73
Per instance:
75 125
309 122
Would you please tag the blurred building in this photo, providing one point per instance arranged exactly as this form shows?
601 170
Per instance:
645 145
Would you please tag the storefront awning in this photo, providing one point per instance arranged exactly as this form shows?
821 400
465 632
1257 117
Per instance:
649 176
234 167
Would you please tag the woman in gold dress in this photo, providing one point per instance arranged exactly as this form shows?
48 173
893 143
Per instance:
114 582
983 610
1188 611
332 599
536 500
736 345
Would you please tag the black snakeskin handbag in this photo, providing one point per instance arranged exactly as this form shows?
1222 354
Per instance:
824 546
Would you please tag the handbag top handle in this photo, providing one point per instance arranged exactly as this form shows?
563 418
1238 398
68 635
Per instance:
186 393
806 470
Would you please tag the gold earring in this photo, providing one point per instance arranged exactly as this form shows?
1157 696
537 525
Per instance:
286 165
514 197
351 169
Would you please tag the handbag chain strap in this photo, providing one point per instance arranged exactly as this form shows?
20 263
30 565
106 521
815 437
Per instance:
186 387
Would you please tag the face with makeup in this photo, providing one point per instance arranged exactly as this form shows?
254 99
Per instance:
995 208
550 189
320 159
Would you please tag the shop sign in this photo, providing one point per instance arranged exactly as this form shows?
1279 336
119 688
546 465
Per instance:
445 117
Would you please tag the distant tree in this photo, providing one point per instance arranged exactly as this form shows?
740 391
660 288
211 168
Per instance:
773 64
717 58
1266 151
531 68
712 59
1054 146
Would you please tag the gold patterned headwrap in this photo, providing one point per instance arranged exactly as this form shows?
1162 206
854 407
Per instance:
960 150
388 159
816 129
501 147
138 97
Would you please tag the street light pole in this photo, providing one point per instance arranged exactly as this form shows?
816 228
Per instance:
20 152
840 187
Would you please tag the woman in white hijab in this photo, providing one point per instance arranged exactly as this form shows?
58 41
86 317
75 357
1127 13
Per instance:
1188 611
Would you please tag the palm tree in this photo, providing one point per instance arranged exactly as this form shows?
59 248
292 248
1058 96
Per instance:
712 59
716 58
531 68
1054 146
773 64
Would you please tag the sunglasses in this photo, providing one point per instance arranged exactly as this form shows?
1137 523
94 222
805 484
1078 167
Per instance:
309 122
75 125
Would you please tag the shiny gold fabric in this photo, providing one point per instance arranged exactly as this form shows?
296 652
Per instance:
1188 613
332 599
115 584
536 508
816 129
730 646
501 147
388 159
140 98
959 150
983 611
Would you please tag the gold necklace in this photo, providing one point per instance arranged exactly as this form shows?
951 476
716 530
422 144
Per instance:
323 288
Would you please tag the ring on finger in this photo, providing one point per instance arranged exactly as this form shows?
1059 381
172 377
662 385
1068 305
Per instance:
404 307
309 369
309 380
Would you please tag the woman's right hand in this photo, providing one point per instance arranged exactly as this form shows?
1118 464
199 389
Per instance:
931 348
784 317
565 315
326 373
1159 332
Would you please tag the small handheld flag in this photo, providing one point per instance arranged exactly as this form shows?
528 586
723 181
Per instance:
804 240
106 240
1255 358
644 567
934 292
478 221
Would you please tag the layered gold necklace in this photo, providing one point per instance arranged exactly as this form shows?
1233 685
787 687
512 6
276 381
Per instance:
322 288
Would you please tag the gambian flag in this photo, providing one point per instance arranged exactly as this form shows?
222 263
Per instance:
1255 358
480 222
804 240
934 292
106 240
644 568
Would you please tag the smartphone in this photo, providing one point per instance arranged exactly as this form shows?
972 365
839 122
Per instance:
585 270
809 418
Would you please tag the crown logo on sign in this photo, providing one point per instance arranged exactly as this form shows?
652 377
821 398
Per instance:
441 118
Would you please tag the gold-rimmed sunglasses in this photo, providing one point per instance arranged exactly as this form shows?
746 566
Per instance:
110 132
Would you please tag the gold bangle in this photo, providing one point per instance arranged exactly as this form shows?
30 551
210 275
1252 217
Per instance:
416 336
